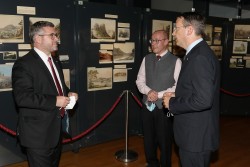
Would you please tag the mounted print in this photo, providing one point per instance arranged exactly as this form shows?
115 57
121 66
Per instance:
120 75
103 30
217 35
99 78
5 77
124 52
240 47
123 34
9 55
241 32
105 56
217 51
11 29
208 34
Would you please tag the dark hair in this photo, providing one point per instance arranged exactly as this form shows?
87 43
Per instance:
37 28
194 19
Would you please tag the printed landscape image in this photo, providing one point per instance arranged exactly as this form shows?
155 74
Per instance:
99 78
103 30
124 52
11 28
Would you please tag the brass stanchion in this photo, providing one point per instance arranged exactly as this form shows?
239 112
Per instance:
126 155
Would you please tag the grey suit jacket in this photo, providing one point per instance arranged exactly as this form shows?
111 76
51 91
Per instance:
196 105
39 120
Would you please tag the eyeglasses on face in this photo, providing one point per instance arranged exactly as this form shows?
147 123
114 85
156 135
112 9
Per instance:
176 28
52 35
156 40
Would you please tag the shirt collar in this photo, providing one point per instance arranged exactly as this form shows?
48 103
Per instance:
192 45
43 56
162 54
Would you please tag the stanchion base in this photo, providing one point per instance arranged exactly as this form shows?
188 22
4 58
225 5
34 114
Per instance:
129 157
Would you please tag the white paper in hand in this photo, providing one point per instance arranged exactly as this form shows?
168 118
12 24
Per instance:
72 103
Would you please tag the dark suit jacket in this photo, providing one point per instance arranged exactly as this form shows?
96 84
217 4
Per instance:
196 105
39 121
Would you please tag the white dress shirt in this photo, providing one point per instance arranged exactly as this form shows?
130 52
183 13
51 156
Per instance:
141 78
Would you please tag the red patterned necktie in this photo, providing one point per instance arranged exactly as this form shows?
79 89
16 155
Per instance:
58 86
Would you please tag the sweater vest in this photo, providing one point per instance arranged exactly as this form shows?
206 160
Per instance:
159 73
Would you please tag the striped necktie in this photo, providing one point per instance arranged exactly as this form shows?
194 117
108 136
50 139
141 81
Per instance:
58 86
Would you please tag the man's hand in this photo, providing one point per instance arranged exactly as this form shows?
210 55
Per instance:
62 101
152 95
73 94
166 98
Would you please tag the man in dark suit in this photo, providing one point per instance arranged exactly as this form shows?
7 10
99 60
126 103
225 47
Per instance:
41 96
195 104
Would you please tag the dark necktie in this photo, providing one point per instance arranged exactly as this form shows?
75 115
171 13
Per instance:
58 86
158 57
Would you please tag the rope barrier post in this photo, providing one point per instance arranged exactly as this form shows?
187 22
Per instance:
126 155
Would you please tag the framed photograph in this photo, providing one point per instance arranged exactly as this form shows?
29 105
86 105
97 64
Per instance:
105 56
240 47
120 75
123 34
5 77
208 34
217 35
11 29
103 30
99 78
233 63
124 52
9 55
241 32
217 51
66 74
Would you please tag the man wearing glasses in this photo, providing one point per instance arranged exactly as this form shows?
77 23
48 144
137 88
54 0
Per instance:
41 95
195 104
158 74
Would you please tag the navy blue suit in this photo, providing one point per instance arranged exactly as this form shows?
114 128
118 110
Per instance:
196 102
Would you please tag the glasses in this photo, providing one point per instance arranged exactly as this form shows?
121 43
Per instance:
52 35
156 40
176 28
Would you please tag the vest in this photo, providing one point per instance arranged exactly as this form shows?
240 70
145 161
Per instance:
159 74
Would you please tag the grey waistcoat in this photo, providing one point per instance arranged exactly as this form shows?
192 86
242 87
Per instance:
159 74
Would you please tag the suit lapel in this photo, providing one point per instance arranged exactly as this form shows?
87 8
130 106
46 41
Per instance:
45 69
60 73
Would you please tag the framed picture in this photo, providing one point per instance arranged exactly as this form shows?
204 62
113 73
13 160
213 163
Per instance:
240 47
11 29
241 32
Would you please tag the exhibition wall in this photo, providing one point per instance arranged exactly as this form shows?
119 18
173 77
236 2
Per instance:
101 49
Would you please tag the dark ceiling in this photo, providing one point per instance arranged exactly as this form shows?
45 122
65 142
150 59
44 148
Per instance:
245 4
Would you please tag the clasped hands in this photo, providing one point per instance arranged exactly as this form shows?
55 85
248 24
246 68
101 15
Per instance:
166 97
152 96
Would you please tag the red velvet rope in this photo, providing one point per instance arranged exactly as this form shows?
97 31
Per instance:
234 94
13 133
95 125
